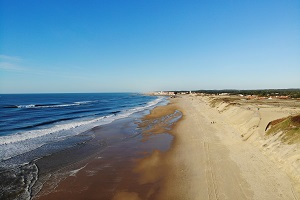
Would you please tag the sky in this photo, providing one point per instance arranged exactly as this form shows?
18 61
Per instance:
148 45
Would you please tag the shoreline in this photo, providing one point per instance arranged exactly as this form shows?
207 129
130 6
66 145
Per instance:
111 173
207 157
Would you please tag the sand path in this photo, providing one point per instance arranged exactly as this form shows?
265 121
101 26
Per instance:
210 161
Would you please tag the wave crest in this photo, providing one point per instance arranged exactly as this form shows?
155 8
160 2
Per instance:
19 143
78 103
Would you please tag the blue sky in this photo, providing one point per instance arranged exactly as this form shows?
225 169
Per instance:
148 45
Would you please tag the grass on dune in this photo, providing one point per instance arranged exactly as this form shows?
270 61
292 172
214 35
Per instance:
229 100
289 127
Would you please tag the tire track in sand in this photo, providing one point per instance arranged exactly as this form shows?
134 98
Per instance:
210 175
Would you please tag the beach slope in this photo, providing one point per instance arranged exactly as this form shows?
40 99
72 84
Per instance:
210 160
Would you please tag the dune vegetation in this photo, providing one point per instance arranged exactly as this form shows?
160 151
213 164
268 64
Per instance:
288 127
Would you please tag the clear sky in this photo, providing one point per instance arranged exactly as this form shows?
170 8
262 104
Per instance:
147 45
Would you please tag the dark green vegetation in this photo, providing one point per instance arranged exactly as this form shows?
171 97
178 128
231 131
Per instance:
289 127
292 93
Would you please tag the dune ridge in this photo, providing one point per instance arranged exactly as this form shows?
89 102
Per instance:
252 120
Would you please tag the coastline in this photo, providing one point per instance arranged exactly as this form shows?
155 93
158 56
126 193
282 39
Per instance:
207 156
42 130
111 172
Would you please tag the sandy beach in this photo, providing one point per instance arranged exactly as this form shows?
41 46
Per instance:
217 151
111 165
210 160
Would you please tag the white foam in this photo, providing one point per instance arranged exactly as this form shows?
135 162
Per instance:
19 143
56 105
38 133
26 106
85 102
74 172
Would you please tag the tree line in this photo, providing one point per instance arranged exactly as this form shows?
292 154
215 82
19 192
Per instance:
292 93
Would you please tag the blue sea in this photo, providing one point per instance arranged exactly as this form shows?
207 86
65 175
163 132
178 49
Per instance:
35 125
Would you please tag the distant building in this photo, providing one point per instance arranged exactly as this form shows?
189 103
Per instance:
223 94
163 93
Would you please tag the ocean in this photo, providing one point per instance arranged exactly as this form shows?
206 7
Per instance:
33 126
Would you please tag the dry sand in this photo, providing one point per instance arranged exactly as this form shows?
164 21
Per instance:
212 161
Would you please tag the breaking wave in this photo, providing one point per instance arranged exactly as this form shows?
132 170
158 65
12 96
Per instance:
50 105
23 142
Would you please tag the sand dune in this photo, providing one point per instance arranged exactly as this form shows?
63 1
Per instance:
215 154
251 120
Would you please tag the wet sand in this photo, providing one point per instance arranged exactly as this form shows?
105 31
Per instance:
116 171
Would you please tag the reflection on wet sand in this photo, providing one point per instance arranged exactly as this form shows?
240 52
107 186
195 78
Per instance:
128 166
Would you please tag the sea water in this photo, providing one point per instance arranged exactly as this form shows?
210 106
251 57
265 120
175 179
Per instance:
37 125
